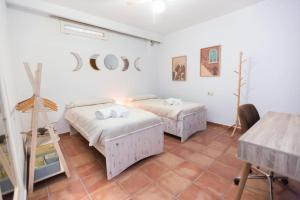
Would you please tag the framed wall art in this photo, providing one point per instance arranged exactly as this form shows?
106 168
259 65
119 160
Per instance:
179 68
210 61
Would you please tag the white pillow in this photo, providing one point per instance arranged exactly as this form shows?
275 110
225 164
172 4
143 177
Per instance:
143 97
89 102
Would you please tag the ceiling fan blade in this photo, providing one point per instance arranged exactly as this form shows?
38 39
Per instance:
132 2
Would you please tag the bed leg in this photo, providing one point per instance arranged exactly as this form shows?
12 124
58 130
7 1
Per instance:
183 139
72 131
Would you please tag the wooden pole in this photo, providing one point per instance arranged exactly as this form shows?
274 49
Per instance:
243 179
238 94
34 123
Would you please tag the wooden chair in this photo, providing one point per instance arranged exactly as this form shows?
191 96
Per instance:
248 116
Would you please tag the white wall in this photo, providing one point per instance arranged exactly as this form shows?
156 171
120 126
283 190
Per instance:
267 32
8 99
36 38
48 8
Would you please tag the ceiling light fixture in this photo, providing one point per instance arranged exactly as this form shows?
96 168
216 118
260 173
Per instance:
158 6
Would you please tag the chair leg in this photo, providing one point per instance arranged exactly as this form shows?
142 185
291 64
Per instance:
284 180
245 173
270 180
237 179
256 177
279 177
261 171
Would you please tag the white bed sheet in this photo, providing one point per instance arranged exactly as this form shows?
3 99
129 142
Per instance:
100 130
163 109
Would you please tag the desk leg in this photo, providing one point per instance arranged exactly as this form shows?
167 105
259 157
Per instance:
244 176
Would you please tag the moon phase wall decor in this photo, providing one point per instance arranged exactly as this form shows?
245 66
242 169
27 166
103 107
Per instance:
137 64
111 62
79 61
125 62
93 61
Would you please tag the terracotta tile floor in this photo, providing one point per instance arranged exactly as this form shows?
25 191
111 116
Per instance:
200 169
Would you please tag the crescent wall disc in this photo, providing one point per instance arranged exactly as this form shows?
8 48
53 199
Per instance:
125 62
137 64
93 61
79 61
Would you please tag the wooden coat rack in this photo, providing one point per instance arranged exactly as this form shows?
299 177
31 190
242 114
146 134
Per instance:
240 84
39 105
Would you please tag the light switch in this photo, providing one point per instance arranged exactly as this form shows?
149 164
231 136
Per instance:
210 93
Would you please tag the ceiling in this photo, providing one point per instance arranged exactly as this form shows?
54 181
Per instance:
179 14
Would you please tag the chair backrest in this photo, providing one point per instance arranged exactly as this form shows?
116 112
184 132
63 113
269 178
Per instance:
248 116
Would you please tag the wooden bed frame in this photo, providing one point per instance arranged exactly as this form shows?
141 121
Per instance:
187 126
123 151
183 127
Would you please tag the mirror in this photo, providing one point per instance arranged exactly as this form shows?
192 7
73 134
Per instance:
111 62
7 175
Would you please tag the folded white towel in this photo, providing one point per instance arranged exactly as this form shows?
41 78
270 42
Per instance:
173 101
119 111
104 113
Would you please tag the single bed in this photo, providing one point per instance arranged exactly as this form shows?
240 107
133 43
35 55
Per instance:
123 141
181 120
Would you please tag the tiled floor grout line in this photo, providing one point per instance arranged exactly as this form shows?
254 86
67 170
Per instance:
48 192
156 181
123 189
206 170
218 134
85 189
148 178
180 193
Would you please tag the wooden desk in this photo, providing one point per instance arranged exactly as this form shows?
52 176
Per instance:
272 143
